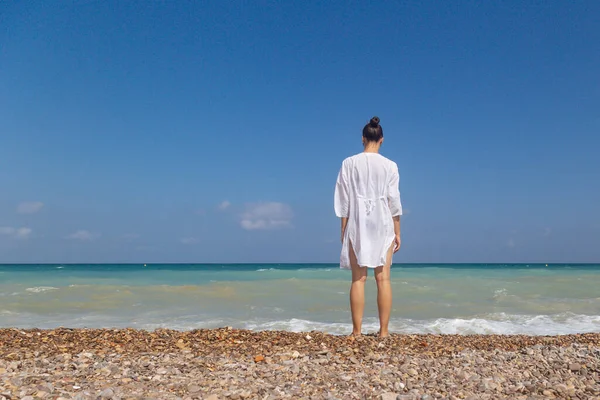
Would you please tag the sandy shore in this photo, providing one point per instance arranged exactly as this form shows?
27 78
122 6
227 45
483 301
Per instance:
237 364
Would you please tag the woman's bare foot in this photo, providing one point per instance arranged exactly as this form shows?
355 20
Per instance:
383 335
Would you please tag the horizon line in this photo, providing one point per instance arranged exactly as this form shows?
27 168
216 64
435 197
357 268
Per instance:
295 263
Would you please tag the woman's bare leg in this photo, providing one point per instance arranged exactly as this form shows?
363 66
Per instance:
384 293
357 293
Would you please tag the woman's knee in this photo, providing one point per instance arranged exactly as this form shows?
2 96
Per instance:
360 278
382 276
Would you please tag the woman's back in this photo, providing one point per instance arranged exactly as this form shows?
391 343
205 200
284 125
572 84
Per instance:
369 174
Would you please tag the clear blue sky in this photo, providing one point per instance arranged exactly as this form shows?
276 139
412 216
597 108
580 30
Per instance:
213 131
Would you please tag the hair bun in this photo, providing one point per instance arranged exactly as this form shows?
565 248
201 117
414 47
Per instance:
374 122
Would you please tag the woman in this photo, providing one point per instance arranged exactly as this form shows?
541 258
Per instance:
367 199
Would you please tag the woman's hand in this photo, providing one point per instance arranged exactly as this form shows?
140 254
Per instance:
397 243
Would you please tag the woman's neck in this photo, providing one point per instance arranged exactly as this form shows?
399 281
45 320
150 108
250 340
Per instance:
372 148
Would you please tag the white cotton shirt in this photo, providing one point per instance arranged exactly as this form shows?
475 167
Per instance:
367 193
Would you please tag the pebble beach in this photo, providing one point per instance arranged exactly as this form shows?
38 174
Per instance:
230 363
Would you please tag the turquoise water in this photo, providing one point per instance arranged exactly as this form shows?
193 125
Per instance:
465 299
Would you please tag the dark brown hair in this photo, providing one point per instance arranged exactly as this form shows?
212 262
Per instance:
372 131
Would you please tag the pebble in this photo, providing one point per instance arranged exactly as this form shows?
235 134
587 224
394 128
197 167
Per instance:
575 367
235 364
194 389
107 393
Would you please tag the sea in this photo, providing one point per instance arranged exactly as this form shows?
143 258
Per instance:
532 299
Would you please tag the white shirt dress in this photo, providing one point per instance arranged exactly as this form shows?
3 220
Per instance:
367 193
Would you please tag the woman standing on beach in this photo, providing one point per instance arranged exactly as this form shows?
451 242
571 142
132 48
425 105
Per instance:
367 199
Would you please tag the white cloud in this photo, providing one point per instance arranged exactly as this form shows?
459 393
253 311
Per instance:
130 236
511 243
224 205
29 207
83 235
7 230
18 233
547 232
270 215
23 233
189 240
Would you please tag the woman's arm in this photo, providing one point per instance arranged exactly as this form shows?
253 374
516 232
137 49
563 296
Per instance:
393 193
397 239
344 224
341 199
395 205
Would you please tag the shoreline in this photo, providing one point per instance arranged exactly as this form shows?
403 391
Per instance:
227 363
162 339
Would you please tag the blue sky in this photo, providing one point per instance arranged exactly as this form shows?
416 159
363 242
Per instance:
213 131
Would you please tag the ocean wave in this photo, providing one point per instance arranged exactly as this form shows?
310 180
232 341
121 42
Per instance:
499 323
502 324
560 324
300 269
40 289
295 270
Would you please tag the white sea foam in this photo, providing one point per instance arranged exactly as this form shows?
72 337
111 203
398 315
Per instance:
40 289
514 324
493 324
496 324
502 324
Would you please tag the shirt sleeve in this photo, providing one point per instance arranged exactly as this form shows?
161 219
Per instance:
341 195
394 193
